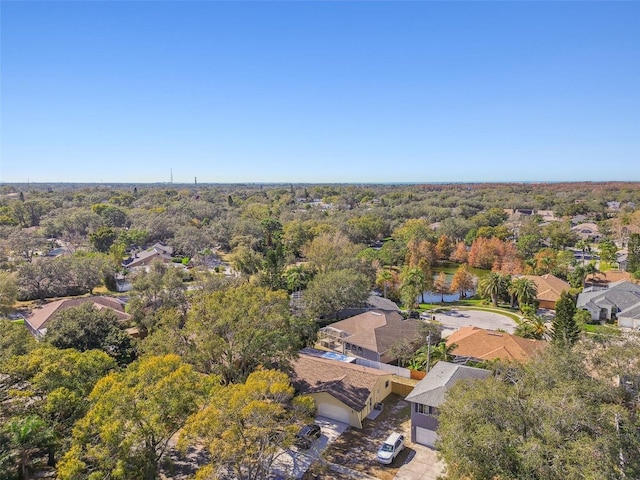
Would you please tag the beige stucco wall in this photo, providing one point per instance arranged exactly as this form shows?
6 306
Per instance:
381 390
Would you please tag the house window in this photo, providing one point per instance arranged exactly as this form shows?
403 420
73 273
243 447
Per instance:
426 409
386 384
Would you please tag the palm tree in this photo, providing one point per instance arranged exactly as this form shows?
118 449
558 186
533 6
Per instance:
297 278
492 286
386 279
26 437
413 283
584 246
534 327
524 291
432 355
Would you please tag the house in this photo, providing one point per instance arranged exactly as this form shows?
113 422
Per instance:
369 335
37 320
477 344
344 392
604 279
617 301
587 231
159 251
549 289
427 396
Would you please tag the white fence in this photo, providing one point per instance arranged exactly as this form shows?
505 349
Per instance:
401 372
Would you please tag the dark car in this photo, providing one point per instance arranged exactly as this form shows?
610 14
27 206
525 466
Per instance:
306 436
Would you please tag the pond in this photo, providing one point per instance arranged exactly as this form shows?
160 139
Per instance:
450 269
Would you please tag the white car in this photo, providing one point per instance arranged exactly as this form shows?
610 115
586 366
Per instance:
390 449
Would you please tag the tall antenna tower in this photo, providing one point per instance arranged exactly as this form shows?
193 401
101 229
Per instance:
171 176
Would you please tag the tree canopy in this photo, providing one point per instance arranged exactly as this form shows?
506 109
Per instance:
545 420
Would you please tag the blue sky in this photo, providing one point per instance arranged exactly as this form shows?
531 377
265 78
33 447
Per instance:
322 91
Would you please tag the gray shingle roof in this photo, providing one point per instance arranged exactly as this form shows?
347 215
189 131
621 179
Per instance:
624 295
431 390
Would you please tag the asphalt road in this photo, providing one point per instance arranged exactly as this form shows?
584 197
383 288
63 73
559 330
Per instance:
458 318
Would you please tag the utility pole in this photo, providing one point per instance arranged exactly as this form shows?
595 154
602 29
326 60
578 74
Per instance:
428 352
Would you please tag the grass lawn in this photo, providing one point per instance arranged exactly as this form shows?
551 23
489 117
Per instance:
601 329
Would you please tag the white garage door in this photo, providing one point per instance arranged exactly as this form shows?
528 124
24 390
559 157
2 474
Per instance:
426 437
333 412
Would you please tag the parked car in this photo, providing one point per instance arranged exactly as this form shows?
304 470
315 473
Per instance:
390 449
306 436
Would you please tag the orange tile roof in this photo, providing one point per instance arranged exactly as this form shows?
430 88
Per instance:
610 276
489 345
549 286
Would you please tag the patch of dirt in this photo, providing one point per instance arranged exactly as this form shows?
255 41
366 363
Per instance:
356 449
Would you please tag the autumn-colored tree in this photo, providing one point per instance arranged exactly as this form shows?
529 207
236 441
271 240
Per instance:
440 286
444 247
420 253
460 254
546 260
462 281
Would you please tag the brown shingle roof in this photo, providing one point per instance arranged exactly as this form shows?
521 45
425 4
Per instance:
40 316
351 384
377 330
489 345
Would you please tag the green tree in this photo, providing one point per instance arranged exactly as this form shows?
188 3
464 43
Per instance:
564 331
8 292
85 328
524 291
15 340
413 284
547 419
245 426
328 252
26 437
386 279
54 385
633 259
532 326
132 417
103 238
297 278
234 331
330 292
608 250
492 286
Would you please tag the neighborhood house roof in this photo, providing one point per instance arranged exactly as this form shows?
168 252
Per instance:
625 296
40 316
431 390
610 276
482 344
349 383
377 330
159 250
549 286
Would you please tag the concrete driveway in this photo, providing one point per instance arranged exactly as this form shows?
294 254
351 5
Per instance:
457 318
294 461
421 464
